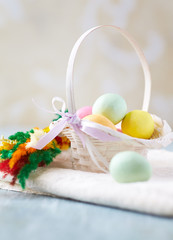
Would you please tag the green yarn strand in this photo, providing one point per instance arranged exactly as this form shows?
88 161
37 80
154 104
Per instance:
59 116
20 136
36 158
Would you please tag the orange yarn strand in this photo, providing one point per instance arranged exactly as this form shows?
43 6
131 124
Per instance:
20 152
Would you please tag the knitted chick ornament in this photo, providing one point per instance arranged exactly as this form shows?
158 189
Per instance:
18 158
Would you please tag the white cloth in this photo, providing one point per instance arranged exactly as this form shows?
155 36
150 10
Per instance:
154 196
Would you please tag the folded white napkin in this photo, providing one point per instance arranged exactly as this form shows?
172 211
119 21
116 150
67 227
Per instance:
154 196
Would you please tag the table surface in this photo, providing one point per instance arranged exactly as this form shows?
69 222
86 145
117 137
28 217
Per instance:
27 216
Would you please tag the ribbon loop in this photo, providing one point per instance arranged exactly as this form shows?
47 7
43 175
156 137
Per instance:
57 127
63 108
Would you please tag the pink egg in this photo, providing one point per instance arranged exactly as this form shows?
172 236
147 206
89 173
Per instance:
84 111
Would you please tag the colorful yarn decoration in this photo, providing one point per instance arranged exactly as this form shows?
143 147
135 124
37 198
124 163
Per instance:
18 157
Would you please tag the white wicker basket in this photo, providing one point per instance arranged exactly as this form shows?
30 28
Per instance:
95 156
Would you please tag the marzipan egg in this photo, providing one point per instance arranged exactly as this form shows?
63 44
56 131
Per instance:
101 120
112 106
138 124
129 166
84 111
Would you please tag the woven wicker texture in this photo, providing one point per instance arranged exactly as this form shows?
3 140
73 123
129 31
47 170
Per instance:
81 159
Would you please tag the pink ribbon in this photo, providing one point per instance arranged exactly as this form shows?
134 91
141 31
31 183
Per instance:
73 120
80 126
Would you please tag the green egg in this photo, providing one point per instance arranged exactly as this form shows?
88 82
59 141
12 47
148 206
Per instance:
130 166
112 106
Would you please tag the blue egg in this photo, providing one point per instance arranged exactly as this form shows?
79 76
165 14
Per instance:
130 166
112 106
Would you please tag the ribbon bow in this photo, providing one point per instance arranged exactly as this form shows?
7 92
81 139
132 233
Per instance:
66 117
80 127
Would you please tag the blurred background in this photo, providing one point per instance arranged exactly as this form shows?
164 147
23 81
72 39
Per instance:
36 38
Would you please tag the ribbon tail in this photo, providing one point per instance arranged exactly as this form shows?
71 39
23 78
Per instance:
48 137
80 134
97 131
92 150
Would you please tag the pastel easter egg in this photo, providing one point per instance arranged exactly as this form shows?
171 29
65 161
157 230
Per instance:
111 106
84 111
138 124
130 166
100 120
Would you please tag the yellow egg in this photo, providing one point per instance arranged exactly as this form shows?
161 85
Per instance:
101 120
138 124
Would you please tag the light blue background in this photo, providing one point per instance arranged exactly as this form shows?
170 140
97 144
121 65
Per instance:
25 216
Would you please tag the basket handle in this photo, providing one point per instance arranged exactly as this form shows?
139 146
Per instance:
70 68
